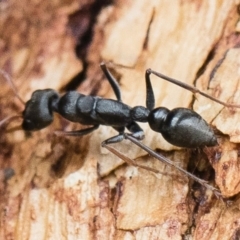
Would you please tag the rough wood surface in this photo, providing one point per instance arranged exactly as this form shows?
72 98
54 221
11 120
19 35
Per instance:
55 187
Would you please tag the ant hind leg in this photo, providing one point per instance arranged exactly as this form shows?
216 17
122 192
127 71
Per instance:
190 88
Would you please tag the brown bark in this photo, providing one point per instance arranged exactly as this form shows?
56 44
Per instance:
71 188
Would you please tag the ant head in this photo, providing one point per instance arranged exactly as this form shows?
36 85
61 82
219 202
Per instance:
38 111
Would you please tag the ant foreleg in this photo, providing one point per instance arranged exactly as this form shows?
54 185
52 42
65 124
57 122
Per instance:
112 81
76 133
171 163
190 88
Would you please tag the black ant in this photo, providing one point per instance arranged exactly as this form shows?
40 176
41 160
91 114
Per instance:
181 126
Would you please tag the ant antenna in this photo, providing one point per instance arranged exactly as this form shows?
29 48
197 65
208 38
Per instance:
190 88
162 159
10 82
6 120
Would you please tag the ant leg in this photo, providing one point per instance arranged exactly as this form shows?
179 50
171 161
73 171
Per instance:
150 99
133 127
129 161
190 88
112 81
171 163
115 139
78 132
136 130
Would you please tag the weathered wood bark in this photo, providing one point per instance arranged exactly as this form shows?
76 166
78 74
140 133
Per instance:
70 188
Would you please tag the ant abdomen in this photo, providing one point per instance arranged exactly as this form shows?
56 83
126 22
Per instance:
182 127
38 112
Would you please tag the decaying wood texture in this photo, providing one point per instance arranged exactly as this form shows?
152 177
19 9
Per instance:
70 188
